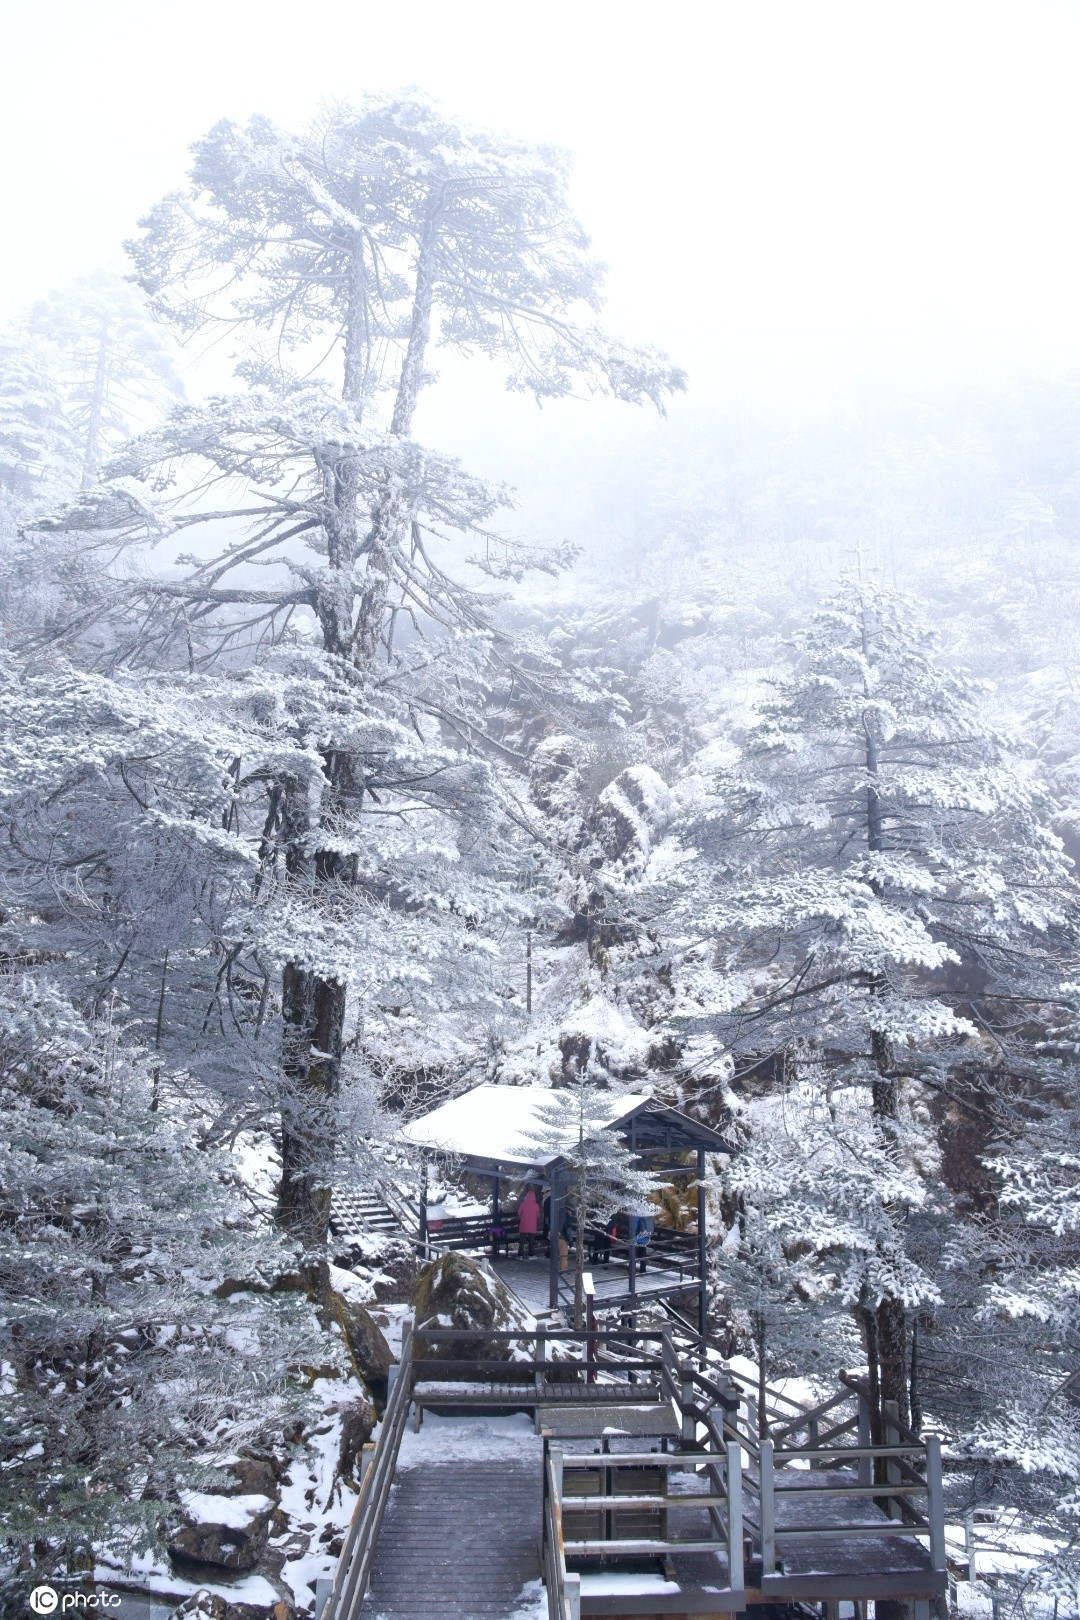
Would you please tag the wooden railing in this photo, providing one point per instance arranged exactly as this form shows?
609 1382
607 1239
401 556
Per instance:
590 1353
563 1588
354 1565
747 1475
894 1496
722 1502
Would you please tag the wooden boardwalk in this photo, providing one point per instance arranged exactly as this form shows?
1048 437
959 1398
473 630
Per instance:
653 1497
459 1541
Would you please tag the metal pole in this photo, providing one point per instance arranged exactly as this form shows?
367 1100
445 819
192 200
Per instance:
528 971
935 1503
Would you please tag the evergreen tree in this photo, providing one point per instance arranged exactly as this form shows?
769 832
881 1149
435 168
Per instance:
882 882
129 1369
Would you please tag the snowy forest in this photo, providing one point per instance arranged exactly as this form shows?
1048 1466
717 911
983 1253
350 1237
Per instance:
733 764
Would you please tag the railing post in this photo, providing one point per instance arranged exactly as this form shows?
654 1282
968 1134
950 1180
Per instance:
686 1401
572 1588
935 1503
735 1521
668 1381
768 1510
866 1464
588 1288
555 1453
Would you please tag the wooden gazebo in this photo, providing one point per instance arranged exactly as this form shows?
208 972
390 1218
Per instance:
492 1132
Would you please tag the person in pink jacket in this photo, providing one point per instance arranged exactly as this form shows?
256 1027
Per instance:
528 1222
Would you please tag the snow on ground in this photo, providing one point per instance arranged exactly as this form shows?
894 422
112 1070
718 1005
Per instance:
467 1439
259 1165
532 1603
151 1575
317 1504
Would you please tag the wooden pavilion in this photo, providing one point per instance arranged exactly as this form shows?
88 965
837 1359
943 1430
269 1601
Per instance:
492 1132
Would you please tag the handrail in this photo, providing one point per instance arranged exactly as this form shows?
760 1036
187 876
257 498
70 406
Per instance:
912 1522
354 1565
563 1589
399 1204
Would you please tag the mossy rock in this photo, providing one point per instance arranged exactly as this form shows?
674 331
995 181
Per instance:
365 1342
454 1292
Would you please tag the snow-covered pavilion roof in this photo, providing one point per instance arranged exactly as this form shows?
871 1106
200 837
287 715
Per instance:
511 1125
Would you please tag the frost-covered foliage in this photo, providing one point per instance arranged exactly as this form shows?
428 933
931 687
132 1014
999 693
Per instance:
126 1364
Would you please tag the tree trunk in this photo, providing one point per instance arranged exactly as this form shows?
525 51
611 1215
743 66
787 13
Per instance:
915 1380
892 1355
393 513
890 1336
870 1339
313 1012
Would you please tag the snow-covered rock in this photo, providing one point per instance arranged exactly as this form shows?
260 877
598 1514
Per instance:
227 1531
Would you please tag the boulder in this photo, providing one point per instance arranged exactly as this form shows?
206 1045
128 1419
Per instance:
357 1426
454 1292
229 1532
253 1476
204 1605
364 1340
201 1605
630 817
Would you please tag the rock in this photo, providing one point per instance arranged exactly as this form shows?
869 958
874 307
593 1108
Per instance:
364 1340
357 1427
256 1611
201 1605
630 817
229 1532
396 1278
253 1476
454 1292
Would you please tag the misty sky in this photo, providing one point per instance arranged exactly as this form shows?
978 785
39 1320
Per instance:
786 194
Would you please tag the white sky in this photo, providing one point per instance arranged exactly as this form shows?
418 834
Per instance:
784 192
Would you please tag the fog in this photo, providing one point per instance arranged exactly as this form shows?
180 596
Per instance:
722 780
793 200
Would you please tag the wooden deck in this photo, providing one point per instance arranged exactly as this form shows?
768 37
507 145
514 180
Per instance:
459 1542
529 1281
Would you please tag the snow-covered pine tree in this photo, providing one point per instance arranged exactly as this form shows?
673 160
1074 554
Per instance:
384 233
882 882
129 1369
38 442
115 367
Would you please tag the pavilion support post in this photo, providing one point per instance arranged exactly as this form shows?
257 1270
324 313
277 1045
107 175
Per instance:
554 1227
495 1215
421 1210
702 1250
631 1233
